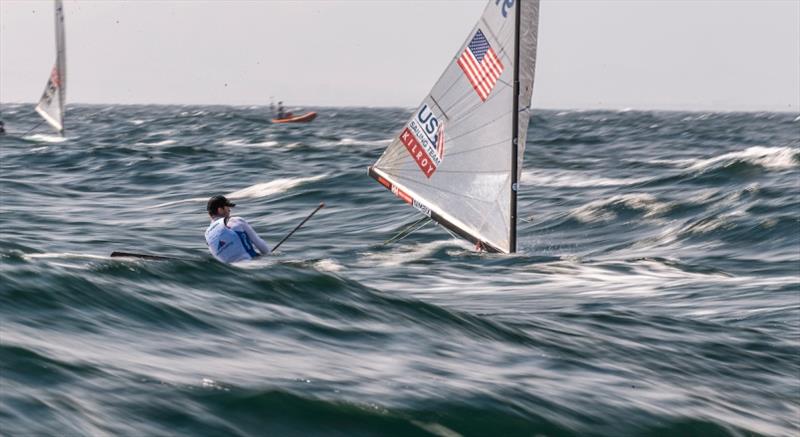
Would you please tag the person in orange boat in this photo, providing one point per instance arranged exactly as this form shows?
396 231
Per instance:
282 112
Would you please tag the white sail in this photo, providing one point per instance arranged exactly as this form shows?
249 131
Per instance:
454 159
51 105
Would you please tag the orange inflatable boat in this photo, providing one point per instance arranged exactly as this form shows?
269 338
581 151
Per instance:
304 118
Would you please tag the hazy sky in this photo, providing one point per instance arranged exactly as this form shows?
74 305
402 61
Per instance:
646 54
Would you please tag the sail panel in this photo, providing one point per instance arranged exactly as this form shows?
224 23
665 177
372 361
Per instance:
455 153
528 41
51 104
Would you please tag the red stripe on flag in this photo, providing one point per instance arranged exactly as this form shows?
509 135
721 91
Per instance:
468 63
482 76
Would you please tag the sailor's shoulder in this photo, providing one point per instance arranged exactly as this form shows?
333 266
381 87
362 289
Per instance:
236 221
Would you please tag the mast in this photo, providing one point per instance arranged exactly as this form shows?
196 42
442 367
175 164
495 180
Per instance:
512 237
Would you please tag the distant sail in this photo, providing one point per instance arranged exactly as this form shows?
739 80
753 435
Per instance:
457 159
51 105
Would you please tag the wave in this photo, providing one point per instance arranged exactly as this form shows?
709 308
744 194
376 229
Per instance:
46 138
406 253
327 265
354 141
238 142
778 158
265 189
157 143
575 179
609 209
272 187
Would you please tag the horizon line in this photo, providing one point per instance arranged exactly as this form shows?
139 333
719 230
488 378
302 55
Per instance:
564 108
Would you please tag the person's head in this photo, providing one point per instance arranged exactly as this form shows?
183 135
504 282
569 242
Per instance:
219 206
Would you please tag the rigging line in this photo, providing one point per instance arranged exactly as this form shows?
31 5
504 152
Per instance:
470 110
408 230
502 84
480 126
487 146
31 129
441 190
468 118
470 91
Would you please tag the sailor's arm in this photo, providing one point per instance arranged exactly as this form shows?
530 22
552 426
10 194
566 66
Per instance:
255 239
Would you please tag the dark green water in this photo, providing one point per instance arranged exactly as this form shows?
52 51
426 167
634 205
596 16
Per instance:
657 291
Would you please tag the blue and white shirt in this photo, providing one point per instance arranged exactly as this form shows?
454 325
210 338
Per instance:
235 241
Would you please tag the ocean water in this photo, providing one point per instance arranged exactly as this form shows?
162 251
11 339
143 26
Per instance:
656 292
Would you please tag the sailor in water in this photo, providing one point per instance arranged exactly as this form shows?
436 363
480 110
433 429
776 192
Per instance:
231 239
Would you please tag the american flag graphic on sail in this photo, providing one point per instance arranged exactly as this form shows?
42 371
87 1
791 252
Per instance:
481 65
440 141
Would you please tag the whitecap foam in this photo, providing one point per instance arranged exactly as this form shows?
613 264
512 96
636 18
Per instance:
254 191
238 142
328 265
46 138
574 179
165 132
597 210
768 157
351 141
157 143
405 253
272 187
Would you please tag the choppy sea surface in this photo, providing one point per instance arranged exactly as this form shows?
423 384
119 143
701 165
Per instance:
656 292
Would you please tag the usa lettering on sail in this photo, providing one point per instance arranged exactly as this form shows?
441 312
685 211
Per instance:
424 140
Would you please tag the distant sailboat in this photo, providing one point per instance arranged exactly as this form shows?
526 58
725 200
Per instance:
459 158
51 105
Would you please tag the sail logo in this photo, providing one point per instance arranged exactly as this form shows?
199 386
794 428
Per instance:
53 84
481 65
424 139
506 4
